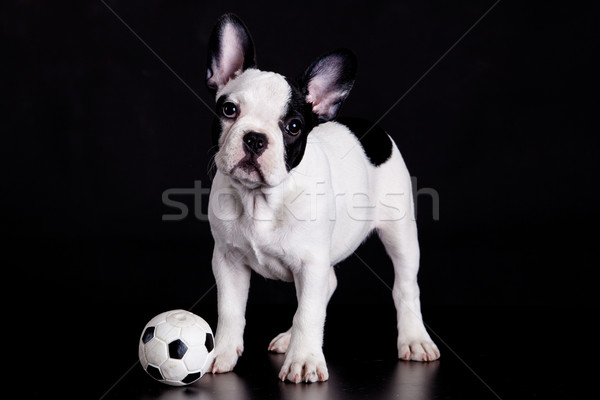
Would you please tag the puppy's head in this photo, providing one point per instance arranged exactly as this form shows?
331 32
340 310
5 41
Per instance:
264 117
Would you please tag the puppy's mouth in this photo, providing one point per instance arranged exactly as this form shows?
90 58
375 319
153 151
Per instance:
249 166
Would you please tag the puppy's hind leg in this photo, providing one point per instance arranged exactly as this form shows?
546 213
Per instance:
281 342
401 243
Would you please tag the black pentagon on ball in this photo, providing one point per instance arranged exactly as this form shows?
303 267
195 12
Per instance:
148 334
193 377
154 372
177 349
209 342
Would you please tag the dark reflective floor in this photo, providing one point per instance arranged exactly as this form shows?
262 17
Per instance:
487 353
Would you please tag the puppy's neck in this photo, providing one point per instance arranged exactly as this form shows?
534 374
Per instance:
262 203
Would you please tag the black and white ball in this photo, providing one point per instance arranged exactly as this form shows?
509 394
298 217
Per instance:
176 347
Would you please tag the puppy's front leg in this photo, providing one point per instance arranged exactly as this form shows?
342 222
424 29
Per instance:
233 283
304 360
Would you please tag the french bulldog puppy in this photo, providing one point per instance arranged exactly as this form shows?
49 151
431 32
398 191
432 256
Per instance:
295 193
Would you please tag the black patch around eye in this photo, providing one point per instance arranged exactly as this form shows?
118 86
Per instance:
373 139
294 126
216 127
297 107
220 101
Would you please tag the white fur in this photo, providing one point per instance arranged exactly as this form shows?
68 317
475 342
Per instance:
260 97
296 226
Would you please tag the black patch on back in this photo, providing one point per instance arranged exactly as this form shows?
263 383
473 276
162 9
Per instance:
374 140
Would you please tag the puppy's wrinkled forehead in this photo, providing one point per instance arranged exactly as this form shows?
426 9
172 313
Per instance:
264 95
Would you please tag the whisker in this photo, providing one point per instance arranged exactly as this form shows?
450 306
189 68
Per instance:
212 165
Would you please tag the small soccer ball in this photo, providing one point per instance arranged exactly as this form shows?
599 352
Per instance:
176 347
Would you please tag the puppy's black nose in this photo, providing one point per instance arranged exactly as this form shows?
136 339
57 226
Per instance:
255 143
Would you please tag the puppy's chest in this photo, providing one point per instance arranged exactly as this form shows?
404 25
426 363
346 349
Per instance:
260 247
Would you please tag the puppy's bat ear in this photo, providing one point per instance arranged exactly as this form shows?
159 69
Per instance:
230 51
327 82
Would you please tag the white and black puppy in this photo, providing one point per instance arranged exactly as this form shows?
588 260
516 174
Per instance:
296 193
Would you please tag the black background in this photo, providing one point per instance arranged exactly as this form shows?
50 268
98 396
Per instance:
504 128
95 128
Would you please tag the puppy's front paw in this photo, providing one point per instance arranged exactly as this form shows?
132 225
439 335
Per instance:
225 359
418 350
304 368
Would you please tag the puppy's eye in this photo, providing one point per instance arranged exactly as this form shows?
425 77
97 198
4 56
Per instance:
229 110
294 127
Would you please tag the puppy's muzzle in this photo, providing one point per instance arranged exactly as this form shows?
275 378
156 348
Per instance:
255 143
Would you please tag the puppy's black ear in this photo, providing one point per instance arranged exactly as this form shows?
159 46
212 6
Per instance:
327 82
230 50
